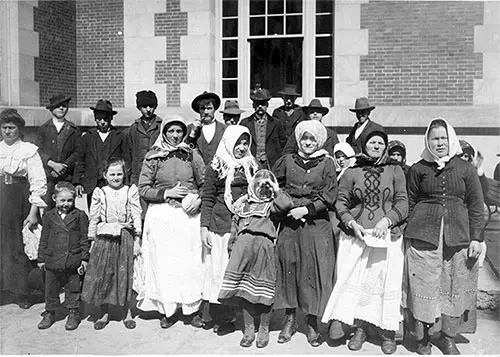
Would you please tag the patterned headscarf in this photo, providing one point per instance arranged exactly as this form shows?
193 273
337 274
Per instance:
225 164
316 129
453 146
348 152
161 147
397 144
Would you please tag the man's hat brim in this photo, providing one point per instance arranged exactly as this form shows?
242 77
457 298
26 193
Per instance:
207 95
322 110
58 103
232 111
114 112
360 109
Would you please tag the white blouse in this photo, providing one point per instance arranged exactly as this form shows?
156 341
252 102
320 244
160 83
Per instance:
21 159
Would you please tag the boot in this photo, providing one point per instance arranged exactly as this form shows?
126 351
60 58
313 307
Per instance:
289 328
73 320
313 336
337 330
249 332
263 335
447 345
424 345
166 322
388 342
357 340
49 318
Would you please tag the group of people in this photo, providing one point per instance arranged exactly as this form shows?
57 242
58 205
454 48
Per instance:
201 221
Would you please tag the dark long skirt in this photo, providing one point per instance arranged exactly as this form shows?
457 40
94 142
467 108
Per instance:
110 271
306 264
14 264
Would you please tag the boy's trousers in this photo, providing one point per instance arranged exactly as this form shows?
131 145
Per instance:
54 280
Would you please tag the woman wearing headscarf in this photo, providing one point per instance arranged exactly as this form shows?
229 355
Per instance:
397 154
22 186
305 245
227 180
443 233
372 204
170 180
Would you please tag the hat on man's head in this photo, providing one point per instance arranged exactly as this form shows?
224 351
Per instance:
57 100
362 104
260 94
145 98
104 106
232 107
290 89
205 95
315 106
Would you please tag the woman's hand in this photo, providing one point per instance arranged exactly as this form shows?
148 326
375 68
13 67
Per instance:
193 206
358 229
177 192
474 250
137 247
30 221
381 228
205 238
298 212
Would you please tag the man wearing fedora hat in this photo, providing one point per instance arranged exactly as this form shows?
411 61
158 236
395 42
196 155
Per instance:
289 114
57 142
356 137
314 111
98 145
142 134
268 133
232 112
205 133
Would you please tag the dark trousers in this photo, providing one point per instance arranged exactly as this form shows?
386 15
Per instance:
54 280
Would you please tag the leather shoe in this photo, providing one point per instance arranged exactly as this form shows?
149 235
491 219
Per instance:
197 321
73 320
424 347
225 328
49 318
389 346
262 337
313 336
357 340
247 339
288 330
447 345
166 322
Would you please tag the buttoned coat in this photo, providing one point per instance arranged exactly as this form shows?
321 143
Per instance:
357 143
275 137
289 122
47 146
207 149
87 172
64 242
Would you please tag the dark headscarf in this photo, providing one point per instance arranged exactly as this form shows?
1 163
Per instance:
397 144
363 159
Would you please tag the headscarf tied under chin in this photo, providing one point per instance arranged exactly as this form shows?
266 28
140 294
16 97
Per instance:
453 146
316 129
161 147
225 164
348 152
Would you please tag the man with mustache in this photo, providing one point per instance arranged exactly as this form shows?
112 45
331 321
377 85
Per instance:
289 114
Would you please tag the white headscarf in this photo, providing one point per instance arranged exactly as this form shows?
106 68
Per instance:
316 129
453 146
162 147
225 164
348 152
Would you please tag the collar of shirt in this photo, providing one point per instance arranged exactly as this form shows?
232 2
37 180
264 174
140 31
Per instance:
103 135
360 129
208 131
58 123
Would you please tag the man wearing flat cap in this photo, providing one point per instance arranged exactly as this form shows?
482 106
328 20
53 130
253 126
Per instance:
205 133
98 145
268 133
356 137
143 132
289 114
57 142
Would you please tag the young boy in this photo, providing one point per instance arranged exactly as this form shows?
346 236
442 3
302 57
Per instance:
63 254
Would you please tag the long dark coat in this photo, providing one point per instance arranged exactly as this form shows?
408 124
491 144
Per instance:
357 143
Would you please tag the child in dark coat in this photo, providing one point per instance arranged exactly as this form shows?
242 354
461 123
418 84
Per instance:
63 253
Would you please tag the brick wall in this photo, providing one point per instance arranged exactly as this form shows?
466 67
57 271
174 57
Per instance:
99 27
422 52
55 67
172 71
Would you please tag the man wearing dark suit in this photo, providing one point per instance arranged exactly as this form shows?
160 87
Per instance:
268 133
362 108
97 146
289 114
57 142
205 133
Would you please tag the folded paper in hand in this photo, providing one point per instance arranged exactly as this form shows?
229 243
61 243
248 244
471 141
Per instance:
188 199
31 240
373 242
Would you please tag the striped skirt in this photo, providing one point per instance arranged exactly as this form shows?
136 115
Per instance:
251 272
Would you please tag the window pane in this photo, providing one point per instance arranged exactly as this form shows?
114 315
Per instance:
324 87
275 25
324 24
230 28
230 69
275 6
324 67
229 8
324 46
230 89
293 6
324 6
257 26
229 48
257 7
293 24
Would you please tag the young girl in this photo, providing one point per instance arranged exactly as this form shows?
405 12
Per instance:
250 276
115 229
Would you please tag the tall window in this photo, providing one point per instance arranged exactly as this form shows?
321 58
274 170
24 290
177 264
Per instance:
230 49
324 48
